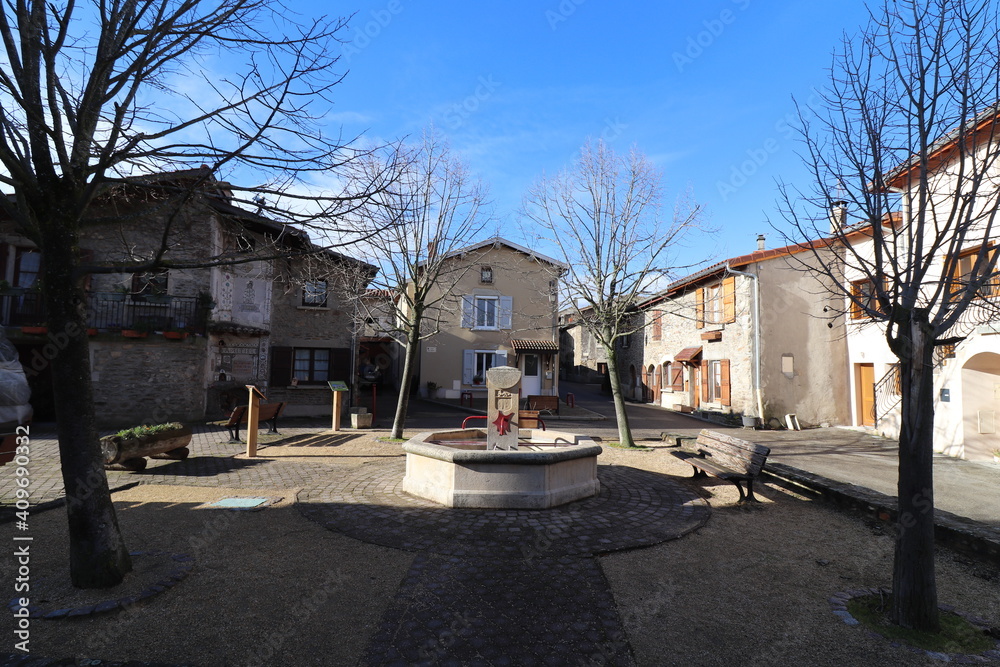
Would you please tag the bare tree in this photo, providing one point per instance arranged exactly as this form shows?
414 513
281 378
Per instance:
95 94
903 149
604 216
436 209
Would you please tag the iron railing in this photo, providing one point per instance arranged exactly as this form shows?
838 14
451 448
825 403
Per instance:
114 311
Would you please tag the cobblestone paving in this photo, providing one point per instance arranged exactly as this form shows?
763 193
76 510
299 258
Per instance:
451 610
503 587
635 508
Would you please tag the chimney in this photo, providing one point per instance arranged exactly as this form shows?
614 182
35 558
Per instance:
760 241
838 216
431 250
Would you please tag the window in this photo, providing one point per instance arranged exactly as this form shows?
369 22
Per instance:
715 386
487 312
27 265
314 294
149 284
477 362
963 275
864 300
716 303
625 341
486 274
311 365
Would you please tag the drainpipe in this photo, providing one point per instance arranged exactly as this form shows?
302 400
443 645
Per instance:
756 336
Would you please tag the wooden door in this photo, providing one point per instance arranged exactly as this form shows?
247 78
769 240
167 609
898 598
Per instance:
866 394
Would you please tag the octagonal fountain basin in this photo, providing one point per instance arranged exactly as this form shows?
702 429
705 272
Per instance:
454 468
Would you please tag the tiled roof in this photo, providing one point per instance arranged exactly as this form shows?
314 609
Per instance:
525 345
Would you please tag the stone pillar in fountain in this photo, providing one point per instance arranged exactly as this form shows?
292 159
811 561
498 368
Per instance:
502 384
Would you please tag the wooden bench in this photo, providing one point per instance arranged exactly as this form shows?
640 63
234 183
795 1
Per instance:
268 412
548 404
727 458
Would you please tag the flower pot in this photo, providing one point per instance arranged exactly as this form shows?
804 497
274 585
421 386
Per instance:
91 332
132 333
175 335
749 422
35 330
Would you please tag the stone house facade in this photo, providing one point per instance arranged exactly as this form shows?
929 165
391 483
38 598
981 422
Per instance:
746 336
967 370
226 324
503 310
581 358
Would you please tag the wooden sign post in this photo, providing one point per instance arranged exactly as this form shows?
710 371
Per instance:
253 410
337 387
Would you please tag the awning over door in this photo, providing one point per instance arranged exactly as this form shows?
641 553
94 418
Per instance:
525 345
688 355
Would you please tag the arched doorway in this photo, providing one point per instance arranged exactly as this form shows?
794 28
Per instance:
654 384
980 406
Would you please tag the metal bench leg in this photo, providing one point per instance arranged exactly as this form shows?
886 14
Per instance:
274 426
748 497
234 434
698 472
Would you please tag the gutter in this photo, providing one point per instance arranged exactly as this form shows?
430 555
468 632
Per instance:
756 336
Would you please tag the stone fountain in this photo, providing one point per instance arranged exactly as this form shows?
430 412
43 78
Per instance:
503 466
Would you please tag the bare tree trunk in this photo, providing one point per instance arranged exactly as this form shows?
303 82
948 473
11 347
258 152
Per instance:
98 556
409 369
624 432
914 591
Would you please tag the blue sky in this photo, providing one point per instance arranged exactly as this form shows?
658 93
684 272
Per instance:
704 89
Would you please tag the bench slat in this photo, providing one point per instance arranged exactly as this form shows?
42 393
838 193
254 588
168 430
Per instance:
727 457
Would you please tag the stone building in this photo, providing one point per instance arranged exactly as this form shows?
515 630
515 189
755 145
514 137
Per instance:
182 343
745 336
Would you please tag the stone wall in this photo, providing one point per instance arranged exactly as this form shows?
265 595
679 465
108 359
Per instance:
148 381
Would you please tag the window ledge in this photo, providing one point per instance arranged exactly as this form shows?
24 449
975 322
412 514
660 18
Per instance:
305 387
315 308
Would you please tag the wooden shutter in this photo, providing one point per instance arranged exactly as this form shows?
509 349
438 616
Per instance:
340 364
729 299
727 394
468 311
704 381
501 358
677 377
281 366
468 366
699 308
506 318
657 324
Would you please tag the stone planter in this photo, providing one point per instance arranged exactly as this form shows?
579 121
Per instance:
361 419
130 452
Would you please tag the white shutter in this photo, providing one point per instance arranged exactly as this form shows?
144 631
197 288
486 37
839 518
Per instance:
468 366
501 358
468 311
506 312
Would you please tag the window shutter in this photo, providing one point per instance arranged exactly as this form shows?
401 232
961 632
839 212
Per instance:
468 312
501 358
340 364
699 308
704 381
506 312
657 324
729 299
468 366
727 395
677 377
281 366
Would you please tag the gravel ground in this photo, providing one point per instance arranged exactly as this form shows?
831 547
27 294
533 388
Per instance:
273 588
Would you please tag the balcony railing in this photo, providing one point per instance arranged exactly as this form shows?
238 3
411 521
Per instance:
114 311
